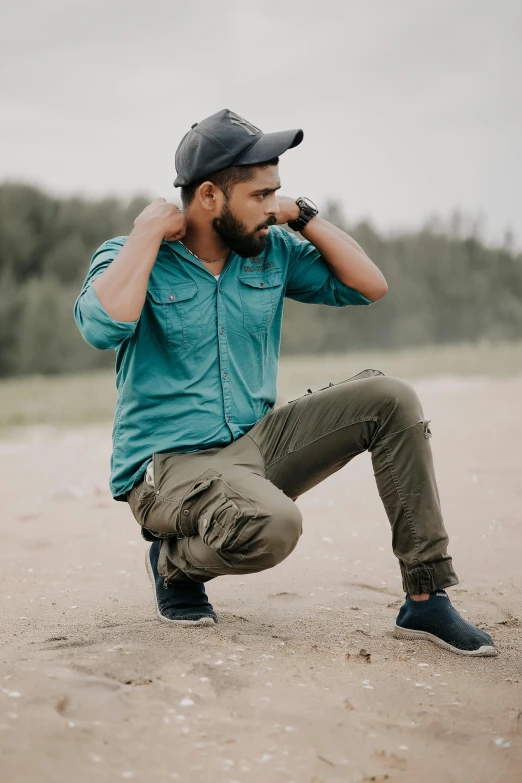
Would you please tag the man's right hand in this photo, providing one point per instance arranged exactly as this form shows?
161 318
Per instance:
166 217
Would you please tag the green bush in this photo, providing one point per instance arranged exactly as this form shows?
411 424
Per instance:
445 285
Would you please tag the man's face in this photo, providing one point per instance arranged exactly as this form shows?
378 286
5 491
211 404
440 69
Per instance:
248 212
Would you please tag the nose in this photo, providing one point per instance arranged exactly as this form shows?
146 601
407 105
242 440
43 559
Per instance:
272 205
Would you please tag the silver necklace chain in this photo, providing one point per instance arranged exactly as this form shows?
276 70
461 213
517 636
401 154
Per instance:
214 261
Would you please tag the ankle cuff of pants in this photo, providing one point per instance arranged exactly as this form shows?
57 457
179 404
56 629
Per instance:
428 577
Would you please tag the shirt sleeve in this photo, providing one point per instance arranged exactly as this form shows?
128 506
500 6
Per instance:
96 326
309 278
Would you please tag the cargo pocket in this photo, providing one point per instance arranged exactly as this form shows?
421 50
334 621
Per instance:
221 523
197 503
218 513
260 297
172 315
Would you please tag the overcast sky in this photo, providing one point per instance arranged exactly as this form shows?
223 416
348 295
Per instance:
409 107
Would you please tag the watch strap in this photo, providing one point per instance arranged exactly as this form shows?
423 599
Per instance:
308 210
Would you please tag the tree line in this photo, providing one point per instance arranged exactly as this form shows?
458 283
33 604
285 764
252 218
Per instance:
445 284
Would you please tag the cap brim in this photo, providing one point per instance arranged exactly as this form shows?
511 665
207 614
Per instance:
270 146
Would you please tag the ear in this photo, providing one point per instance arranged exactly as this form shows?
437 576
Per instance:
210 196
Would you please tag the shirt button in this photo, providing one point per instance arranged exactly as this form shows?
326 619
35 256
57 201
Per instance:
225 376
222 331
262 283
171 297
186 511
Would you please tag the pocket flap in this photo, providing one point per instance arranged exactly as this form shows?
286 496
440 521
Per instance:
266 281
173 293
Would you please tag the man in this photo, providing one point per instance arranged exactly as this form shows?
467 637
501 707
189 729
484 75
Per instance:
192 302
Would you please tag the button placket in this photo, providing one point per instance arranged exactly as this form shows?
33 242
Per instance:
223 359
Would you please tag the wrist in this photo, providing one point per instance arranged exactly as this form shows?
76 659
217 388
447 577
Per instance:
311 223
153 230
307 211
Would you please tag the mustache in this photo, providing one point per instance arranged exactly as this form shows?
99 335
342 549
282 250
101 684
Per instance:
270 222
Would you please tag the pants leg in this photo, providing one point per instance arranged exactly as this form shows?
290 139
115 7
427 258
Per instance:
309 439
231 510
215 513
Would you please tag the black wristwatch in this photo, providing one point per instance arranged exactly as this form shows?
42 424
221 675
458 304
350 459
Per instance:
308 211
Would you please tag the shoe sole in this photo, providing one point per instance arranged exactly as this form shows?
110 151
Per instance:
203 621
485 651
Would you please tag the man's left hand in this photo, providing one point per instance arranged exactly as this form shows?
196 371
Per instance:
288 210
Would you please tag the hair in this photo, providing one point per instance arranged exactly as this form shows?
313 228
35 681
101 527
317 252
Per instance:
224 179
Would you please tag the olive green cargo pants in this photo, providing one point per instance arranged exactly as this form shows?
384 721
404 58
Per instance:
231 510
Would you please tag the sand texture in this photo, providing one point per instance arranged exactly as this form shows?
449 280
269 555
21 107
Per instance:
95 688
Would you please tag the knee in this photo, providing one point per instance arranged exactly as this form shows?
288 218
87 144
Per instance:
397 395
279 536
263 535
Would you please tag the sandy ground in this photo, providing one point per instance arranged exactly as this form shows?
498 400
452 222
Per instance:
95 688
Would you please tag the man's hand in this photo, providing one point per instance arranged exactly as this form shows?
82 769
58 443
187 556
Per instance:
122 287
167 218
288 210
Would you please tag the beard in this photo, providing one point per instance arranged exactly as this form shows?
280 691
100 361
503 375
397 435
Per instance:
237 237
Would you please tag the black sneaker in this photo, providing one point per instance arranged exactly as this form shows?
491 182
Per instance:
184 603
438 621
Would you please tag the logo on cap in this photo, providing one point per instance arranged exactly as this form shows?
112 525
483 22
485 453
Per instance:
235 119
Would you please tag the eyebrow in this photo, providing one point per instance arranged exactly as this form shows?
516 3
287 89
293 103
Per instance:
265 190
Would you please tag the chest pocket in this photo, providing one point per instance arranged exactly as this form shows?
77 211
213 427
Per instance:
260 297
174 316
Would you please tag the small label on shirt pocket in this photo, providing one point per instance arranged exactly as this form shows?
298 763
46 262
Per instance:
173 315
260 297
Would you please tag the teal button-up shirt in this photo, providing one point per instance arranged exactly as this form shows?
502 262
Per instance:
198 368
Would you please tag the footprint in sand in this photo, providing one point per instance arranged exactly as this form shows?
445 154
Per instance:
90 700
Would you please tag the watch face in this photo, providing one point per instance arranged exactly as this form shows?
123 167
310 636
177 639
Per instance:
310 204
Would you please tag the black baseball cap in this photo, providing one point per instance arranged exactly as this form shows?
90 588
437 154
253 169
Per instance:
225 139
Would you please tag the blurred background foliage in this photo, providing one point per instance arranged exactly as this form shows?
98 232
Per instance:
445 285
